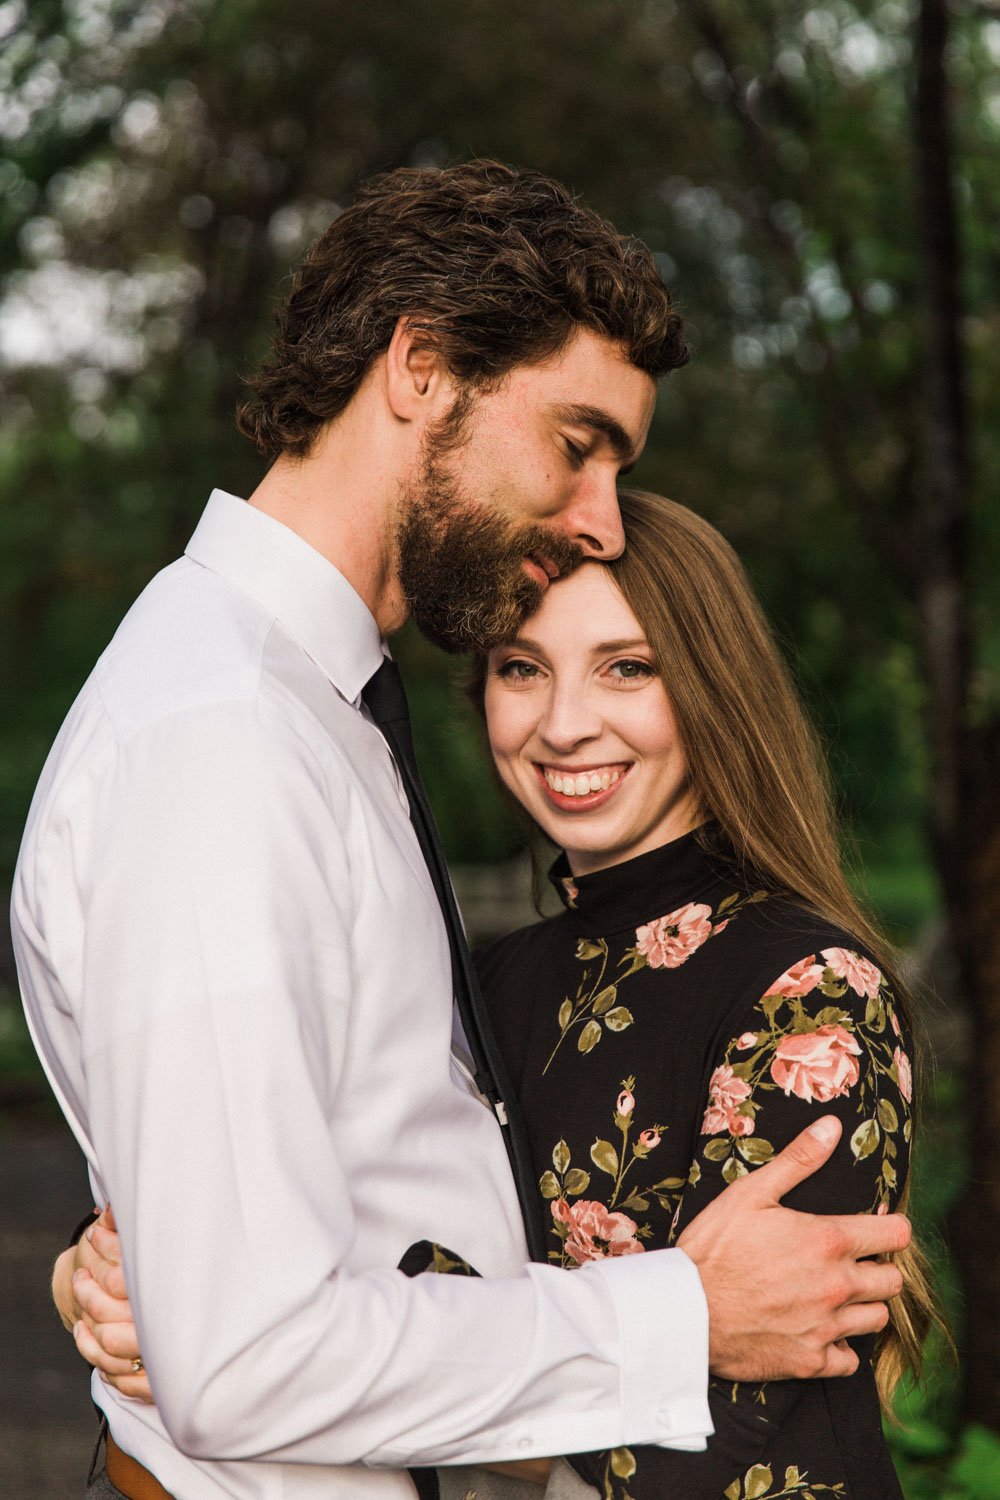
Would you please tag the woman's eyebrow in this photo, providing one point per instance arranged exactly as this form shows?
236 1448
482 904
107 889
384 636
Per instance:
639 643
600 421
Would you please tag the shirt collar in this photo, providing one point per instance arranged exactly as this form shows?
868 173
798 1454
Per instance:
297 585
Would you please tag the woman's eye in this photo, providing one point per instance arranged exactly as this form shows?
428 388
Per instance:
517 671
631 670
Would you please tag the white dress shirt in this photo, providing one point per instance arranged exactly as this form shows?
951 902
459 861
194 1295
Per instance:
237 975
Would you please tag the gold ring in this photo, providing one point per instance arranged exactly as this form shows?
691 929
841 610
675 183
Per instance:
137 1365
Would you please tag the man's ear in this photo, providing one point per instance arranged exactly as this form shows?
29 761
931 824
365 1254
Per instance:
416 376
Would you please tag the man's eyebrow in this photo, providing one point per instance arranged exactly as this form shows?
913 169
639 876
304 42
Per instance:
603 422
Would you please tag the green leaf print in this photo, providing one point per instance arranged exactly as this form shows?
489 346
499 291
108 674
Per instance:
757 1481
865 1139
622 1463
605 1157
589 1037
549 1185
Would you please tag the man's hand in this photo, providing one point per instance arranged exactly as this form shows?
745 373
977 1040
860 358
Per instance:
786 1289
88 1286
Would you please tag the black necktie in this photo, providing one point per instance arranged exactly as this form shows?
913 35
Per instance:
385 698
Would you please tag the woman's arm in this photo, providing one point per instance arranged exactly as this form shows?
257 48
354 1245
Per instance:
88 1288
825 1039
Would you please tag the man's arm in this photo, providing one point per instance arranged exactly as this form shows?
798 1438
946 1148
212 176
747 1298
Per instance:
785 1289
225 1114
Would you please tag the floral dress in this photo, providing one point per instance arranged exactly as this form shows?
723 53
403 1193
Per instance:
667 1033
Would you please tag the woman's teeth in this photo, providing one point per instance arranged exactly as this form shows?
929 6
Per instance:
583 784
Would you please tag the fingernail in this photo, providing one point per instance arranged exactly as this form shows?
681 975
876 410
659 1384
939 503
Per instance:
826 1130
76 1331
75 1276
88 1233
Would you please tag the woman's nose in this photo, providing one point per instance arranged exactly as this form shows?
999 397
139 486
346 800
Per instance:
569 718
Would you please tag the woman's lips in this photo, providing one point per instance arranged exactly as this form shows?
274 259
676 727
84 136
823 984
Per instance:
580 788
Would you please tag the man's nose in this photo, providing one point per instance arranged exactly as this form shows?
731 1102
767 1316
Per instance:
594 520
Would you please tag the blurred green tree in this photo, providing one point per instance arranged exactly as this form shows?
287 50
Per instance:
819 181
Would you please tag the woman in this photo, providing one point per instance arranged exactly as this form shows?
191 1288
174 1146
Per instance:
710 986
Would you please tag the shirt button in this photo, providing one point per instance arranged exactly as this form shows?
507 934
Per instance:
524 1442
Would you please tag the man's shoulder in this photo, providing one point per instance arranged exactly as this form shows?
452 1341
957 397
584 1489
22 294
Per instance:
191 638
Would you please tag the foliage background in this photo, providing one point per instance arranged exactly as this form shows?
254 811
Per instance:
165 163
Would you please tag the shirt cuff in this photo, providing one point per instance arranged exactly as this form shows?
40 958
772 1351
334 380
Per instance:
663 1318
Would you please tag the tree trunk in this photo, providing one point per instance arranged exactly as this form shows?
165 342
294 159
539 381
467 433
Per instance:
965 804
976 1224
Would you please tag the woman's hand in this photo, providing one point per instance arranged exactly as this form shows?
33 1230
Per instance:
88 1286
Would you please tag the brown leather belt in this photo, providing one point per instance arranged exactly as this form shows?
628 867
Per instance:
129 1476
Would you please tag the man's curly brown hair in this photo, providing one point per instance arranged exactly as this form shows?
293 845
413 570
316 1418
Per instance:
497 267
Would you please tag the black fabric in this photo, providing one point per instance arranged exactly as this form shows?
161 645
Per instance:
605 1036
82 1228
385 698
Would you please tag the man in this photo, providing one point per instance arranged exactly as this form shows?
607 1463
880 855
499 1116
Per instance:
230 947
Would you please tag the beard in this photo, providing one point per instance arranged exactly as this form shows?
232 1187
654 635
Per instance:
461 561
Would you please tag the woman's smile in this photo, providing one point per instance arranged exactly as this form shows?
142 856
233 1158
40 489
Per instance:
579 788
581 726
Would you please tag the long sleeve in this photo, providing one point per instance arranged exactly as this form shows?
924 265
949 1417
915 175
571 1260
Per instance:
263 1090
825 1038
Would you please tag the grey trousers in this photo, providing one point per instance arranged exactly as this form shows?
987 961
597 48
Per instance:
101 1488
477 1484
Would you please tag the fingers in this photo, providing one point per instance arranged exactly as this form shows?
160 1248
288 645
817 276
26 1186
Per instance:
874 1281
874 1234
857 1320
110 1318
114 1371
809 1151
99 1253
840 1359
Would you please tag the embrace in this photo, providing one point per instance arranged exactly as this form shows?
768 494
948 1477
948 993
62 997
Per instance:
243 969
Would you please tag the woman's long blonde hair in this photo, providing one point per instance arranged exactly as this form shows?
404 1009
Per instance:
758 774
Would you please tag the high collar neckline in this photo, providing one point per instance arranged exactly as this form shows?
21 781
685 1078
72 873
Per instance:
627 892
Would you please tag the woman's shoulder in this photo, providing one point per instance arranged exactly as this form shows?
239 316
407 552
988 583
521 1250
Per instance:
776 931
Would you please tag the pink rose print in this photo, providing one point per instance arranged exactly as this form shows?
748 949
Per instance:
895 1023
904 1073
817 1065
746 1041
799 979
883 1208
594 1233
666 942
861 975
726 1093
650 1139
626 1102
